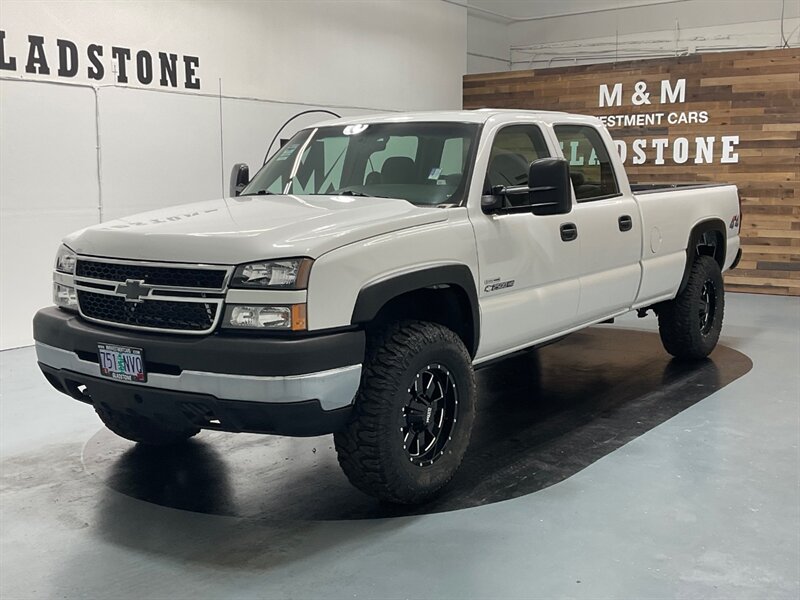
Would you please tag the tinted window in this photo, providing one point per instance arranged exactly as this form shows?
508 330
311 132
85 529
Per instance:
589 163
513 150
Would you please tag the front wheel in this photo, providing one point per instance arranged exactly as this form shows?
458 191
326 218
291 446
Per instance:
691 323
413 415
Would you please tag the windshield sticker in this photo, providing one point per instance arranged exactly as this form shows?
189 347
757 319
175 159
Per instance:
435 172
287 151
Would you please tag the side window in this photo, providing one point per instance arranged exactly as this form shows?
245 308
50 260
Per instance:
590 166
513 150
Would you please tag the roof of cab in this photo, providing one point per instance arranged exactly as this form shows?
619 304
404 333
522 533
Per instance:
480 115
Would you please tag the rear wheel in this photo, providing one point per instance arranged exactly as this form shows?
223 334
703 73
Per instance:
413 416
690 324
141 429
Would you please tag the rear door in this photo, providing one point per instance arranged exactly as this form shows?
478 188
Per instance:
607 219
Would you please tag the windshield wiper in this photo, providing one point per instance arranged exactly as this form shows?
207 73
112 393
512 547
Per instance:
260 193
357 194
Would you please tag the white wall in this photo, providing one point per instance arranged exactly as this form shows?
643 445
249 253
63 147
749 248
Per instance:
73 150
629 29
488 47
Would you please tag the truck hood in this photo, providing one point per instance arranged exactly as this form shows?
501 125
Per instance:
237 230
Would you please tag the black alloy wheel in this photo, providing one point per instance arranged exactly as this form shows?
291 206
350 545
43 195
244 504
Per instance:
708 307
430 414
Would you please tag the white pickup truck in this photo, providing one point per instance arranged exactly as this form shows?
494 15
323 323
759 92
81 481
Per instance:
355 283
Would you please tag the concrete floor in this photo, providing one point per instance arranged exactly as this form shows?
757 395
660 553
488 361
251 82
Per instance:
705 504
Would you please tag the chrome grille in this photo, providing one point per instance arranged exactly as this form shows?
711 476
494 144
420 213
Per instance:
153 314
213 278
169 297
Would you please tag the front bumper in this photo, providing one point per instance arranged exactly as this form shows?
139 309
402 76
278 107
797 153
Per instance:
290 386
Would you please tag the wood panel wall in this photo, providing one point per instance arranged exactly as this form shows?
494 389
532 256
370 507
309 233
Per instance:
753 94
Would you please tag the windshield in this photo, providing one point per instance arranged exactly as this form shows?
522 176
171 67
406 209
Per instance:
424 163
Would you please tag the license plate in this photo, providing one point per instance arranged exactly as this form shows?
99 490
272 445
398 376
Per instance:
122 362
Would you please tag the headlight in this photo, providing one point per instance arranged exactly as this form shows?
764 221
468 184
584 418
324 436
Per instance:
65 260
287 318
65 296
287 274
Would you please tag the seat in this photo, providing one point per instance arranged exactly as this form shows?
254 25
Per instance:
508 168
398 169
583 189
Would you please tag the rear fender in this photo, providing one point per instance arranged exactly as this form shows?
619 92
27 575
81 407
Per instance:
697 243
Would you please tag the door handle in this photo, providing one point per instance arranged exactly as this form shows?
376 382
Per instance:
625 223
569 232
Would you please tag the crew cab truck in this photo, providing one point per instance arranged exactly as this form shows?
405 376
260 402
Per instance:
356 282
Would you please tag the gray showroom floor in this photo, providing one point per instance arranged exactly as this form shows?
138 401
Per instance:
703 505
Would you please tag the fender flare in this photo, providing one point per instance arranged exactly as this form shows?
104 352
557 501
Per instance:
716 225
372 297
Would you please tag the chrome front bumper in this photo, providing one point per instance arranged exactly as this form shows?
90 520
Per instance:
334 388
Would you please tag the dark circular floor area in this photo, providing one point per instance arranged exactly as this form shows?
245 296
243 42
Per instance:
543 416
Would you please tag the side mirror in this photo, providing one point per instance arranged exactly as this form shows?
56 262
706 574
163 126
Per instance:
240 177
549 186
493 202
548 191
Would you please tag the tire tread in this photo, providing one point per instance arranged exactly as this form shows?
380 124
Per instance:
676 318
358 446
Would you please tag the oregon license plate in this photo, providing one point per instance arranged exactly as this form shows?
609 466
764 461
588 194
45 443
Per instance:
122 362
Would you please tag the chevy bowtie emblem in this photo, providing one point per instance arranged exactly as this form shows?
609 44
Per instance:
133 290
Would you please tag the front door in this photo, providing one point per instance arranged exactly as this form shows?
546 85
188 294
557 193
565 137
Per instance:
528 284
